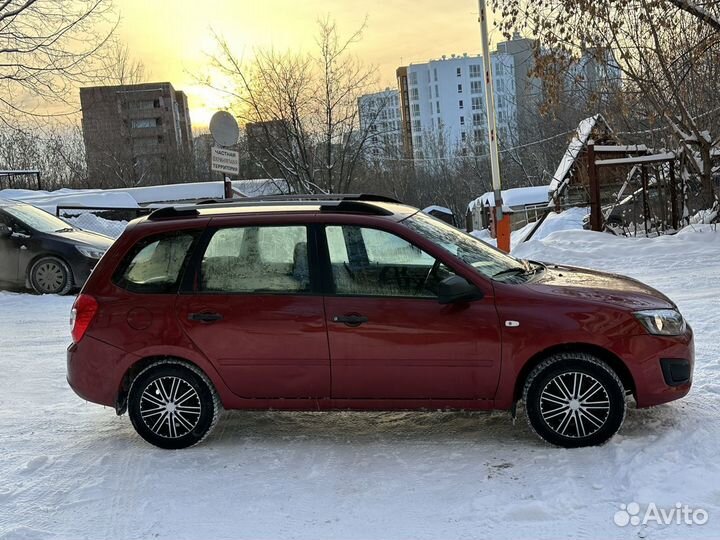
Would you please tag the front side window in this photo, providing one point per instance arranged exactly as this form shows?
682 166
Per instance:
256 260
154 265
371 262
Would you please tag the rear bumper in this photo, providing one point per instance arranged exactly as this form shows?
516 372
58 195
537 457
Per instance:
94 370
662 367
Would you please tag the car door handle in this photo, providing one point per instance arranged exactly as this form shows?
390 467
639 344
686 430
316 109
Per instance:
350 320
205 317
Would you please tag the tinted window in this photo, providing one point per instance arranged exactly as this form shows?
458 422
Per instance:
154 265
370 262
256 260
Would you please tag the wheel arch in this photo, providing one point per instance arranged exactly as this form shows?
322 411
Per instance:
143 363
612 360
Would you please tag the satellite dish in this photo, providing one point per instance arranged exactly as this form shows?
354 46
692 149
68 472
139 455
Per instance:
224 128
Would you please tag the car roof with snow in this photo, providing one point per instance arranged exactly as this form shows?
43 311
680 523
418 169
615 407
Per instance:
374 205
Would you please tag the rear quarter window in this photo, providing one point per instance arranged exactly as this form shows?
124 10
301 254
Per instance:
155 264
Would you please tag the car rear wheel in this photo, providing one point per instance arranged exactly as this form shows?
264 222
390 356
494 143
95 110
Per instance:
50 275
172 405
573 400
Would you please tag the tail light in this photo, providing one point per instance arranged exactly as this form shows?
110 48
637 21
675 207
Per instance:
82 314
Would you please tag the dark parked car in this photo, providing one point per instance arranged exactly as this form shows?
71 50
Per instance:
43 252
360 303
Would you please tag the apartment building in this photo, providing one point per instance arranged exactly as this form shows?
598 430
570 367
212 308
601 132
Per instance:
447 104
135 134
381 119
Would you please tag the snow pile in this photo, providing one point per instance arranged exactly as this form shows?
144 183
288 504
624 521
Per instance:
132 197
514 197
50 200
92 222
568 220
436 208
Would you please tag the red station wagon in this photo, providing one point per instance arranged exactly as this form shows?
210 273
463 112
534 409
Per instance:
362 303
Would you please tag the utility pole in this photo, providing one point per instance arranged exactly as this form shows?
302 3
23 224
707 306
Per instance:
501 221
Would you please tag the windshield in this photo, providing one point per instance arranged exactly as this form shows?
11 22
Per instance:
487 260
37 219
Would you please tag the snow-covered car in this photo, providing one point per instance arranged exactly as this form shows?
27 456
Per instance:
45 252
358 302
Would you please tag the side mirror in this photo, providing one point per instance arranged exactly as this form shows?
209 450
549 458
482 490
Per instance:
456 289
5 231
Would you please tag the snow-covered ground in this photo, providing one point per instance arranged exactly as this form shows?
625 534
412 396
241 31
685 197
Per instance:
70 469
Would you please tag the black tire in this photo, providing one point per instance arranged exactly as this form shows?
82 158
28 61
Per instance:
156 398
554 411
50 275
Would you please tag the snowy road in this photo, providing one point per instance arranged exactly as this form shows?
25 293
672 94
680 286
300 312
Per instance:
74 470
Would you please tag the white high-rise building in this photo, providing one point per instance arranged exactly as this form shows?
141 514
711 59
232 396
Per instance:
380 117
444 101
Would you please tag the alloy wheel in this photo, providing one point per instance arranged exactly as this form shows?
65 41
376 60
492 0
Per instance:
574 404
170 407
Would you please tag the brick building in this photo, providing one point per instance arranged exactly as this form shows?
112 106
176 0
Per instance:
136 134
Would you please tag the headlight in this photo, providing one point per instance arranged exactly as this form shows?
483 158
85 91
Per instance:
90 252
662 322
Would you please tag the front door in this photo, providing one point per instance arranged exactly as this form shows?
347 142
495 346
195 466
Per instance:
253 313
390 338
9 252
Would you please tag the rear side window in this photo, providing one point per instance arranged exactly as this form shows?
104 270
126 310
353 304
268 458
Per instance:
256 260
154 265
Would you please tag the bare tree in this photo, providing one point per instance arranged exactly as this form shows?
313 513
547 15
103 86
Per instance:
57 151
120 67
666 50
47 48
301 109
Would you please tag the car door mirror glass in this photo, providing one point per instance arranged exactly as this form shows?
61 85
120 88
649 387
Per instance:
455 289
5 231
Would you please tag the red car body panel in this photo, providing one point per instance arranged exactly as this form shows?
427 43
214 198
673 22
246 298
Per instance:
414 349
284 351
270 345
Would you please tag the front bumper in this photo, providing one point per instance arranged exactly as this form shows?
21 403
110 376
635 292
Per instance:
81 269
661 367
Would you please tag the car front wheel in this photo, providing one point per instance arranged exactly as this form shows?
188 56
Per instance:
573 400
172 405
50 275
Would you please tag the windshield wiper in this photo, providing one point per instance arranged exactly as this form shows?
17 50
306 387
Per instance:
513 270
525 269
66 229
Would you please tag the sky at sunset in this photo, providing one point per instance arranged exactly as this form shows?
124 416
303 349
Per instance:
173 37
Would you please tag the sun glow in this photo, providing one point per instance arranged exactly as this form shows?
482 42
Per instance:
175 38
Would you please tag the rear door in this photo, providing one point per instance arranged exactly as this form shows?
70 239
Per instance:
389 337
254 312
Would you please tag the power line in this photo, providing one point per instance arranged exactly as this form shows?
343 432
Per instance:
479 156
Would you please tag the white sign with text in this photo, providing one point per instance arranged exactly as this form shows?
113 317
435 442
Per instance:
225 161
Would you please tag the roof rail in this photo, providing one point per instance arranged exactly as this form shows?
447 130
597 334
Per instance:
171 212
337 203
369 197
355 206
